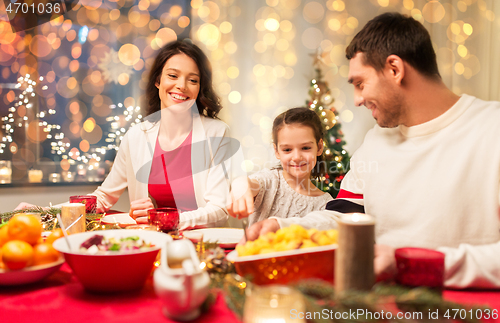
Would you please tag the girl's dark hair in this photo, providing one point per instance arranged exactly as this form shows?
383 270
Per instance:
208 102
304 117
393 33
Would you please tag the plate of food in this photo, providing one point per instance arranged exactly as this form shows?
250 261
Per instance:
289 255
227 238
29 274
121 219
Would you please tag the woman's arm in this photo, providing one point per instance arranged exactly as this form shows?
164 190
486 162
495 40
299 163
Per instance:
115 183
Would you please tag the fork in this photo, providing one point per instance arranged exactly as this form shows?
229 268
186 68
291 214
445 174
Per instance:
245 225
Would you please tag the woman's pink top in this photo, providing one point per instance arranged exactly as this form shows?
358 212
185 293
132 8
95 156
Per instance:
171 175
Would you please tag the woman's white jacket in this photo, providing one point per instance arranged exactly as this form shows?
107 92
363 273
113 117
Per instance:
211 163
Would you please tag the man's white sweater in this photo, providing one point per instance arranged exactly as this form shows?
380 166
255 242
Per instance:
434 185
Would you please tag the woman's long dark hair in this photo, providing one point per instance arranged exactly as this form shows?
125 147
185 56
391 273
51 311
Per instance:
208 102
308 118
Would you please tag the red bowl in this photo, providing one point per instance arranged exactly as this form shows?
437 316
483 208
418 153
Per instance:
287 266
113 272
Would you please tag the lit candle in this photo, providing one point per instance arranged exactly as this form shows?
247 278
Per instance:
55 178
420 267
355 253
273 304
5 172
35 176
68 176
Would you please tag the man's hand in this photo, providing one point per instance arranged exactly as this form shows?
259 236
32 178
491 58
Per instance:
384 263
259 228
139 209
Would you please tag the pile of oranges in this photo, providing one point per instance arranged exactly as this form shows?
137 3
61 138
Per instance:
22 245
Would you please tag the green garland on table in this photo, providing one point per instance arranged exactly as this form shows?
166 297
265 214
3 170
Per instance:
320 297
49 216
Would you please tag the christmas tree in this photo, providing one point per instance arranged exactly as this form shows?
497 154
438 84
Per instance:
336 157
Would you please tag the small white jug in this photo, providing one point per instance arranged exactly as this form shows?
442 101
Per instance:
179 282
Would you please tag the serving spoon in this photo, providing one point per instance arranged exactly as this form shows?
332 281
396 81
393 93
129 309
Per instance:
64 229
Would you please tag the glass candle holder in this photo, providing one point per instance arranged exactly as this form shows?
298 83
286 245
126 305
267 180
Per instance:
90 202
420 267
68 176
35 176
165 219
273 303
5 171
70 215
55 178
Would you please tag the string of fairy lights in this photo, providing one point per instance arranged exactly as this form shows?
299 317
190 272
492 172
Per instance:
124 118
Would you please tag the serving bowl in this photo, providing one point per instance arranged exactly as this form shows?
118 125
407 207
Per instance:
28 275
284 267
115 271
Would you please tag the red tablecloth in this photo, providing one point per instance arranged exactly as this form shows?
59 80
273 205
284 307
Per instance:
60 298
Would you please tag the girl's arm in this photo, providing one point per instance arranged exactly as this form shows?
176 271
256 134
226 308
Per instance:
243 193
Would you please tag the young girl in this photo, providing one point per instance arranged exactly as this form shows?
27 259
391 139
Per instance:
286 191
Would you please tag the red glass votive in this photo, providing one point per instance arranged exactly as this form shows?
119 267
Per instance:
420 267
165 219
90 202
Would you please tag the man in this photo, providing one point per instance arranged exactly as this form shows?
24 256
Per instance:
429 171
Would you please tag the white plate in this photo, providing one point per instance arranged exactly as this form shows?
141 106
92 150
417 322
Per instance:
122 219
28 275
225 237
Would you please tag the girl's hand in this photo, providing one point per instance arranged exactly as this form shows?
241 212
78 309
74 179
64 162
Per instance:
241 204
139 209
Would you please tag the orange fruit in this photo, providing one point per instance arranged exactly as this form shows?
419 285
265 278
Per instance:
44 253
2 265
56 234
17 254
25 227
4 235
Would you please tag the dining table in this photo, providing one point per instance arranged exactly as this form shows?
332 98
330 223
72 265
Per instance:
60 298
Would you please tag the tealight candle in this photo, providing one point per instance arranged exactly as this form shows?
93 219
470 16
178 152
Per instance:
68 176
90 202
420 267
55 178
35 176
5 172
273 303
355 253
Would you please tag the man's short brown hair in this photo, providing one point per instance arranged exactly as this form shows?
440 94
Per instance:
395 34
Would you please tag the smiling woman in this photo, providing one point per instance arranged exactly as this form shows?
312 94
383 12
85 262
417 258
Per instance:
157 159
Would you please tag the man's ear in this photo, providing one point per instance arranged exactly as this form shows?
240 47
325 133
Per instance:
276 151
395 66
321 146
